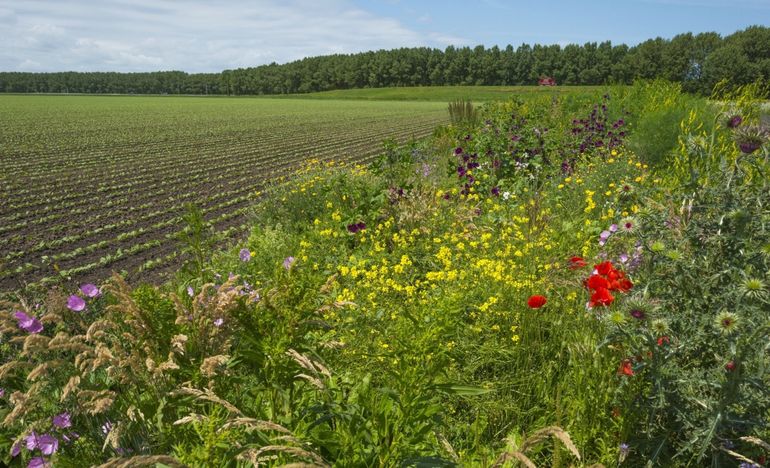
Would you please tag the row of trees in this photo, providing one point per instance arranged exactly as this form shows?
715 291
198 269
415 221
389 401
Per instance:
698 61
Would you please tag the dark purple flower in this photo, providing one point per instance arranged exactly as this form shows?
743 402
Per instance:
48 444
62 420
76 303
353 228
461 171
734 121
458 151
90 290
27 323
244 255
361 226
638 314
288 262
496 191
748 147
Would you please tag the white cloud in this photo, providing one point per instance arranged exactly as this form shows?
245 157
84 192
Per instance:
196 35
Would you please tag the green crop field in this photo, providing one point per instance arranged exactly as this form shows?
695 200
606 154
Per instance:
94 184
446 93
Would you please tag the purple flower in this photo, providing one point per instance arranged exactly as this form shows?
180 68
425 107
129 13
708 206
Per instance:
605 235
48 444
496 191
353 228
638 314
2 392
76 303
190 291
458 151
27 323
218 322
613 227
38 462
31 441
288 262
16 449
70 437
62 420
90 290
623 258
244 255
734 121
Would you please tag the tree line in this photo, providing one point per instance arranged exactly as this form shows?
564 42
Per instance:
698 61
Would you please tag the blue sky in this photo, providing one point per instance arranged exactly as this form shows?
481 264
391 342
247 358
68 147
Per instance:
210 35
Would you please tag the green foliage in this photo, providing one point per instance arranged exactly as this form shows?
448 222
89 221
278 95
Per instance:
462 112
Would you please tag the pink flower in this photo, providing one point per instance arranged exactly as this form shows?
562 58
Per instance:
27 323
48 444
90 290
38 462
76 303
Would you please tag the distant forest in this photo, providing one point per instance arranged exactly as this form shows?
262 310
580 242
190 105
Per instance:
697 61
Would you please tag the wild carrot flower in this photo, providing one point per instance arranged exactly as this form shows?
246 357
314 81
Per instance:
76 303
27 323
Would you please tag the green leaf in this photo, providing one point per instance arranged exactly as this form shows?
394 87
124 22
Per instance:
462 390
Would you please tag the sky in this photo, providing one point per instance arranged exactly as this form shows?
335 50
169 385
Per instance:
214 35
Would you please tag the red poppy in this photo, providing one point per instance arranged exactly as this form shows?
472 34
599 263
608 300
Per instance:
536 301
602 297
604 268
625 285
625 368
576 263
663 339
596 282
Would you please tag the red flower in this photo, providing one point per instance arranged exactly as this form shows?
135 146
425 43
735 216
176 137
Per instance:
730 366
604 268
625 285
576 263
536 301
596 282
602 297
663 339
625 368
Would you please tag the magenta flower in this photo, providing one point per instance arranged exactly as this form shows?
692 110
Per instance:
62 420
31 441
38 462
288 262
48 444
16 449
27 323
245 255
90 290
76 303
